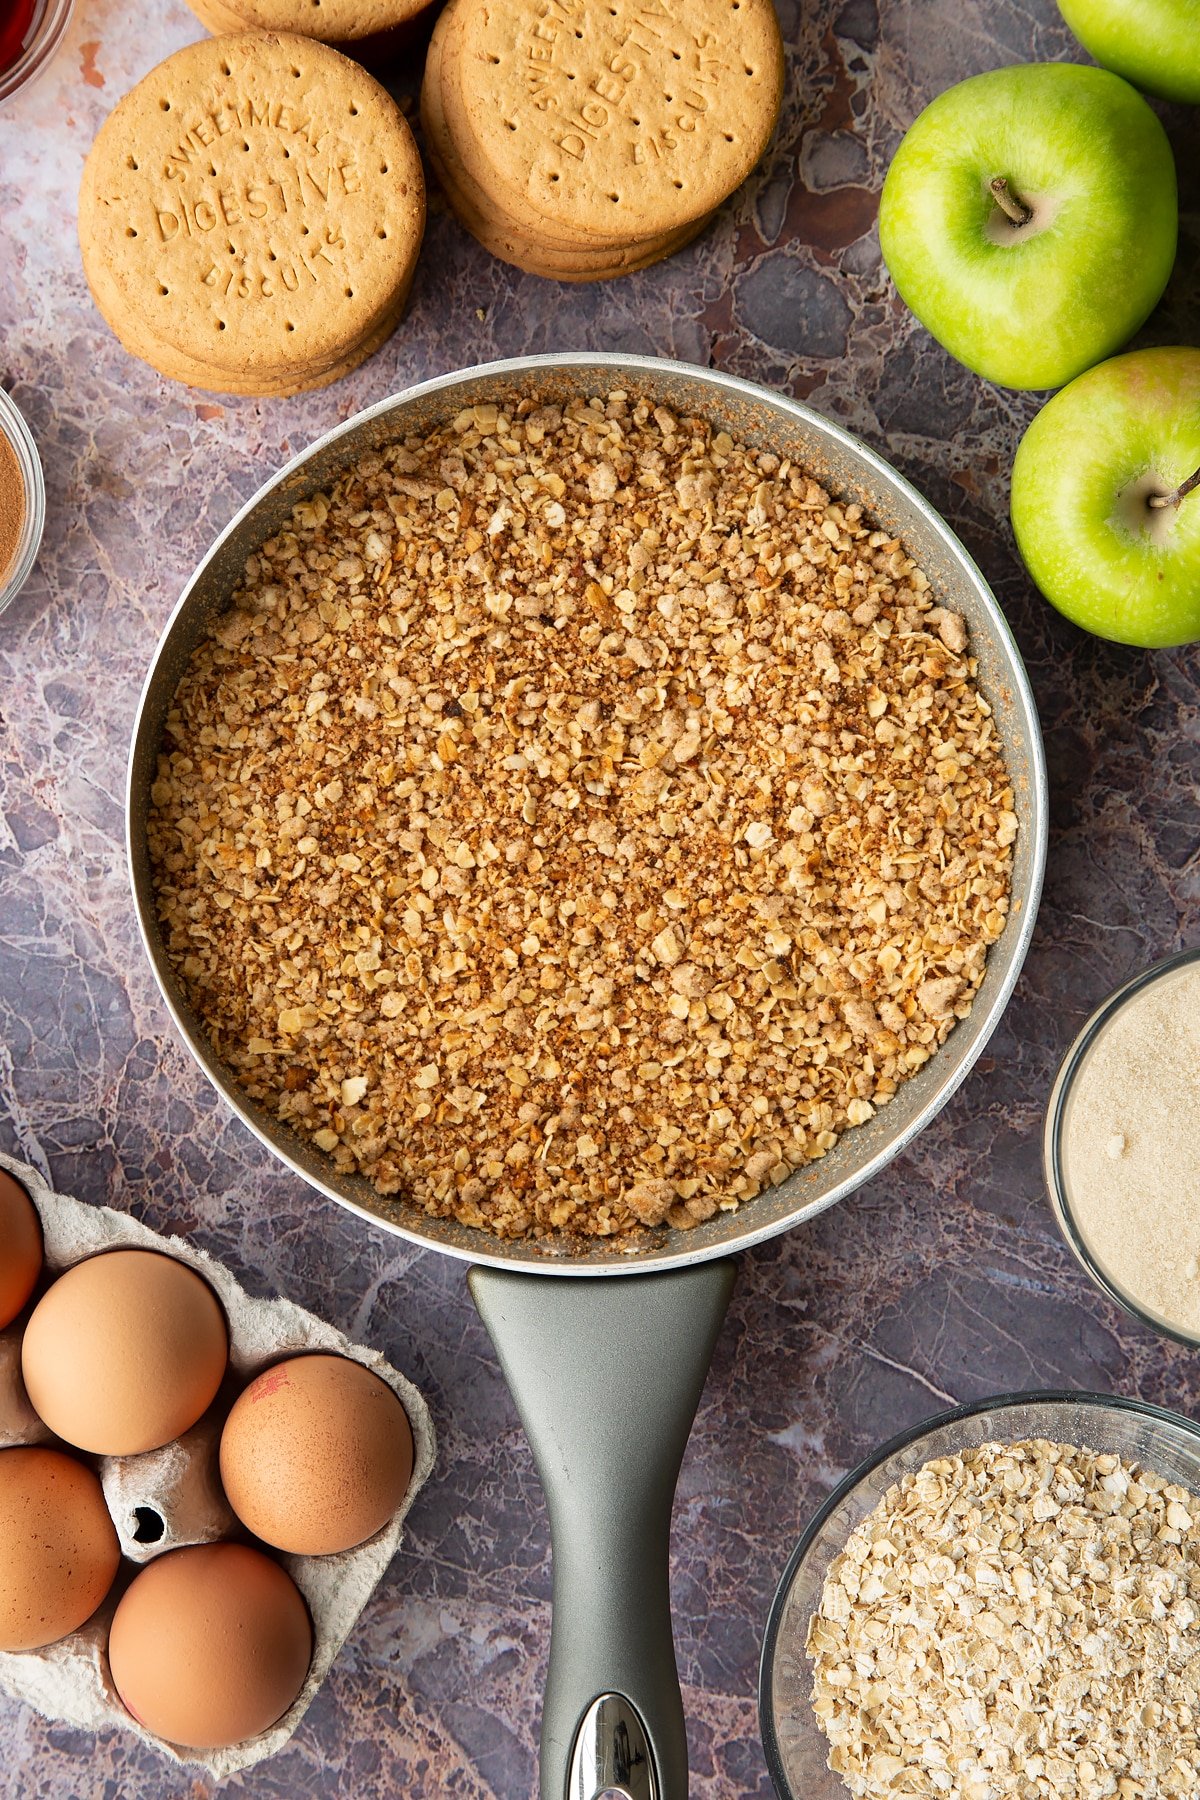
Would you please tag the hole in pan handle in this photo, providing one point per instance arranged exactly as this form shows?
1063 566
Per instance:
613 1756
606 1374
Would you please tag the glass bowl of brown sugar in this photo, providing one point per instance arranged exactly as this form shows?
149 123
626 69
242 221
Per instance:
22 501
1121 1146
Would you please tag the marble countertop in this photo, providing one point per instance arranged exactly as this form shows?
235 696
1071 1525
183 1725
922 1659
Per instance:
942 1281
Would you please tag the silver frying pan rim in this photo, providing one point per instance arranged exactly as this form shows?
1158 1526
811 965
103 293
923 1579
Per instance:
810 1194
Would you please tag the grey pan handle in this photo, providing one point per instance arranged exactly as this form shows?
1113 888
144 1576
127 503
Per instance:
607 1375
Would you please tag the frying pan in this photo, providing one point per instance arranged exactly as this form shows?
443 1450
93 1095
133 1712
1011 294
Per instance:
606 1373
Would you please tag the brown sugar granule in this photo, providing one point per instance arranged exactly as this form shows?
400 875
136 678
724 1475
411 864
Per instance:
579 820
12 506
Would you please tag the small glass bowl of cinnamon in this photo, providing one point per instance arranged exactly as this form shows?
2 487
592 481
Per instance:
22 501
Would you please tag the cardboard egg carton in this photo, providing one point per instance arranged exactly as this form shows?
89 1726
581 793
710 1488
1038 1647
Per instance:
170 1497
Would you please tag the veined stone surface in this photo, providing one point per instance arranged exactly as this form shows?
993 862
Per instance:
943 1281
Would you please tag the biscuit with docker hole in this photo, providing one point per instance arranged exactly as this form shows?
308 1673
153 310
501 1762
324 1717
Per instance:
195 374
510 246
255 205
553 254
439 85
372 31
446 49
633 118
267 276
499 235
517 252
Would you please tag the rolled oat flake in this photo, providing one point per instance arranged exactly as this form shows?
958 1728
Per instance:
1016 1622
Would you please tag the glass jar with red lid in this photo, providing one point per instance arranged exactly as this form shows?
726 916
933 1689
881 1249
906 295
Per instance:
30 33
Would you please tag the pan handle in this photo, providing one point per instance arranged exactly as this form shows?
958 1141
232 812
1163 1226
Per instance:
607 1375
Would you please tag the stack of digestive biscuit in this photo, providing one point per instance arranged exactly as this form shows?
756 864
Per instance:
250 215
582 141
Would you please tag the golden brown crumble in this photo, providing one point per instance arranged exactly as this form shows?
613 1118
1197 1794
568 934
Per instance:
578 820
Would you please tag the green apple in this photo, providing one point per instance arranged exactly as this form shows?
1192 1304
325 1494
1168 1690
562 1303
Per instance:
1106 498
1029 219
1153 43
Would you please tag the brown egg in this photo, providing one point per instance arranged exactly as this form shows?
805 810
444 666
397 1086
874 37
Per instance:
124 1352
58 1547
20 1247
210 1645
316 1455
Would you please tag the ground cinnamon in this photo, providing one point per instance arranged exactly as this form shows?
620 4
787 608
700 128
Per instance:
12 506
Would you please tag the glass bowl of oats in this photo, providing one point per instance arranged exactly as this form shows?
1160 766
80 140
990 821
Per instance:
1002 1602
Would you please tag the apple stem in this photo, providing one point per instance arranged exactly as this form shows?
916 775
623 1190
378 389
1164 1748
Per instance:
1007 201
1178 495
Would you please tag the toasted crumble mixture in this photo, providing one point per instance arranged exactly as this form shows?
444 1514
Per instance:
579 820
1019 1620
